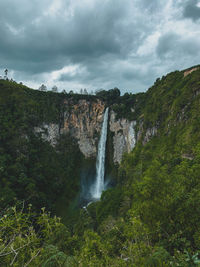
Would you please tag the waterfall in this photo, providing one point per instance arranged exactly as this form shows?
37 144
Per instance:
100 163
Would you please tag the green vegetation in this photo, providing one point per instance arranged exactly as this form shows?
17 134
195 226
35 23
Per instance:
129 106
150 218
30 168
109 96
30 239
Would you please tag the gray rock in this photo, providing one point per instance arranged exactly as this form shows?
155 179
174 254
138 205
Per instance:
49 132
124 136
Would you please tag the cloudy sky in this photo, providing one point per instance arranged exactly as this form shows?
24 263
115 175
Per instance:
97 43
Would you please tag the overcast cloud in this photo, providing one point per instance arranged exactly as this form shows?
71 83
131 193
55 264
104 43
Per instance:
97 43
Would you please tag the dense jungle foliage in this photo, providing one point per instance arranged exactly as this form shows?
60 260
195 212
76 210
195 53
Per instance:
150 218
31 168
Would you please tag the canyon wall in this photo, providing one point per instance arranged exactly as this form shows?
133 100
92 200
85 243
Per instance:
124 137
83 120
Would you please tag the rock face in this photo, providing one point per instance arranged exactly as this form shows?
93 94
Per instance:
124 136
150 132
49 132
83 121
146 135
190 71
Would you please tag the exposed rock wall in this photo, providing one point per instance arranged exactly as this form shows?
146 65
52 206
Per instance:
146 135
83 121
190 71
123 136
49 132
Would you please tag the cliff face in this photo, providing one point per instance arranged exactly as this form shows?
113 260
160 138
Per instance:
49 132
124 137
145 135
127 133
83 121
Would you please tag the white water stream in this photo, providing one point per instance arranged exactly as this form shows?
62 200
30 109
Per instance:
98 187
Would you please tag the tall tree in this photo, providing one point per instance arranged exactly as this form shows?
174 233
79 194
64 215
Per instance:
6 73
43 88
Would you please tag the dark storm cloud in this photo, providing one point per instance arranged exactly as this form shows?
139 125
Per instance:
191 10
53 41
96 43
172 45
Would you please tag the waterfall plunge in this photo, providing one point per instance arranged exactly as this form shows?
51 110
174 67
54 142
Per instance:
98 187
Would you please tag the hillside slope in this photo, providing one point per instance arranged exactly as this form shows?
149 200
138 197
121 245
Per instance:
30 168
156 206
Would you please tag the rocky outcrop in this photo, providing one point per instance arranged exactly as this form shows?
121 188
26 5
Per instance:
190 71
150 132
83 121
49 132
145 135
123 136
187 156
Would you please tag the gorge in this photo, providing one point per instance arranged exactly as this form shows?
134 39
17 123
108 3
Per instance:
150 144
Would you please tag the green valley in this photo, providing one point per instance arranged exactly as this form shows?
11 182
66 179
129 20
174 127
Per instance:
149 213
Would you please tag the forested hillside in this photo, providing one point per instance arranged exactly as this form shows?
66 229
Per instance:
30 168
150 218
